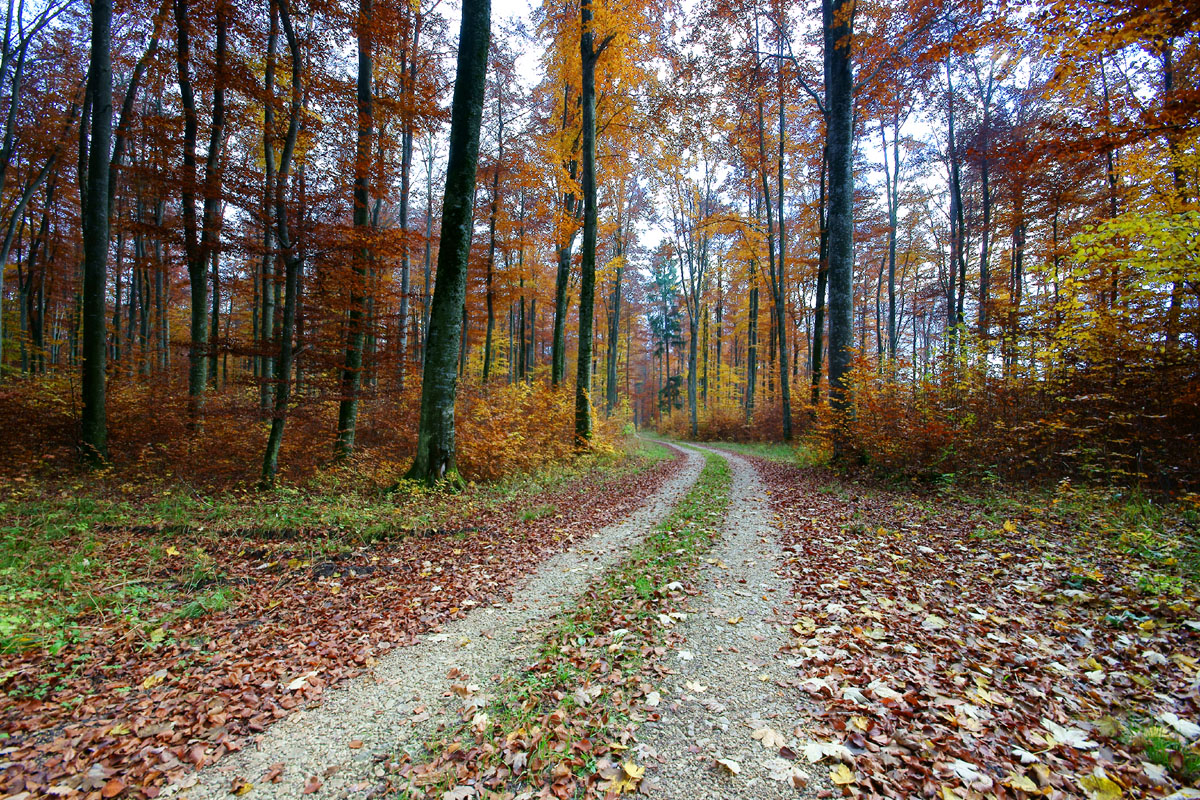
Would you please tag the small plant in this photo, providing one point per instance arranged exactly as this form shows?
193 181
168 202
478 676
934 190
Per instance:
538 512
212 601
1163 748
1156 584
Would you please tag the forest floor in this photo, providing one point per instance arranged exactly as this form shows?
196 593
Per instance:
727 624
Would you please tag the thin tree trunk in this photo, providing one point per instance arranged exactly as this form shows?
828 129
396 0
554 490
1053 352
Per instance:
200 236
270 287
352 365
489 278
818 333
292 260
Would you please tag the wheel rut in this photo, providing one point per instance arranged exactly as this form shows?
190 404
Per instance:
724 710
410 692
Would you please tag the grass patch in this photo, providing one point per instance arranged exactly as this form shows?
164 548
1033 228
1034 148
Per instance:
800 454
557 721
537 512
1161 746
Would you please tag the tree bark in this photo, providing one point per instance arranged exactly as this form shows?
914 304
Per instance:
292 260
490 298
838 21
95 237
435 456
199 243
352 365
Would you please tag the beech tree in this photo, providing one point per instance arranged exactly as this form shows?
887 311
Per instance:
95 235
435 456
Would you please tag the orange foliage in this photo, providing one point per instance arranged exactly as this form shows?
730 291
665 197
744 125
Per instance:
506 430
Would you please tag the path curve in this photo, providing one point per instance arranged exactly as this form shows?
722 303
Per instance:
399 704
729 687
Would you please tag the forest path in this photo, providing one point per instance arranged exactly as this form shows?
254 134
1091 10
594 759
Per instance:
725 703
401 702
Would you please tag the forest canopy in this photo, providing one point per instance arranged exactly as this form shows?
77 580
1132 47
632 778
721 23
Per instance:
935 237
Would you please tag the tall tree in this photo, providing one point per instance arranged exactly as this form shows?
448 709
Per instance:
201 237
838 24
589 52
352 368
435 456
95 236
293 260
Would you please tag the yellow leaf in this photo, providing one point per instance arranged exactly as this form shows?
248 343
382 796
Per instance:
1101 787
841 775
171 550
1020 782
1010 526
154 680
120 729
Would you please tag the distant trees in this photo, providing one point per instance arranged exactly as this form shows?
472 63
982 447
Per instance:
943 192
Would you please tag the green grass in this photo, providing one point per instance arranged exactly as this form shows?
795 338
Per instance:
537 512
1162 747
800 454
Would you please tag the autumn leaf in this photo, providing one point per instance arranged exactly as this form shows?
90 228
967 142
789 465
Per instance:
311 785
1021 782
770 739
1099 786
730 766
841 775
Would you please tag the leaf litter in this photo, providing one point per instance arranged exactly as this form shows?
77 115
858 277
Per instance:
144 708
945 655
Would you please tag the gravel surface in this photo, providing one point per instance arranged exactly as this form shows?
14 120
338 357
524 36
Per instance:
413 690
725 692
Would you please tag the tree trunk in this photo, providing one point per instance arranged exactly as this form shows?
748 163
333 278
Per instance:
491 259
269 286
818 332
435 456
291 257
614 332
839 131
199 243
406 151
94 427
589 53
352 366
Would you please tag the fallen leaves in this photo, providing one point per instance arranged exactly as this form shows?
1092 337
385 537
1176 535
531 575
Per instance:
950 659
841 775
729 765
278 648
